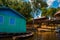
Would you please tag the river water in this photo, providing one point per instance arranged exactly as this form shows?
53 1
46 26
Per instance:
44 36
40 36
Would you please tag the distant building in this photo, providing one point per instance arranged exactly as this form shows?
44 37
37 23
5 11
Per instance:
37 22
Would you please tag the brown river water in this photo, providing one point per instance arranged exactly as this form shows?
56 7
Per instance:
39 36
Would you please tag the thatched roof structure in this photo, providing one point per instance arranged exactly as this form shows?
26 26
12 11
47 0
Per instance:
57 14
38 20
42 19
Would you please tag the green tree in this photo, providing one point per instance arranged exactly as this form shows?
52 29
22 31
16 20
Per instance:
58 8
44 11
40 4
49 12
24 7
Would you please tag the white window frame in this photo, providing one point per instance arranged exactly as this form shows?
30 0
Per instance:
3 19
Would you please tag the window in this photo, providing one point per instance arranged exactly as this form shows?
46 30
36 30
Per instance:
1 19
12 21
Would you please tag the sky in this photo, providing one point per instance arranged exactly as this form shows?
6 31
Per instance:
51 3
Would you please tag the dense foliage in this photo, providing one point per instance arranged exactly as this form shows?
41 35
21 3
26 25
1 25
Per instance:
25 7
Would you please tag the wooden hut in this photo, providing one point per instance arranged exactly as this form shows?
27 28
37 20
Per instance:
57 18
11 21
37 22
57 15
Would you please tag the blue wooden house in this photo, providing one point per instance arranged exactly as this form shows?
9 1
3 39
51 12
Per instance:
11 21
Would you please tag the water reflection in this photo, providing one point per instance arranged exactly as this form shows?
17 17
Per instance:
40 36
44 36
47 36
58 36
